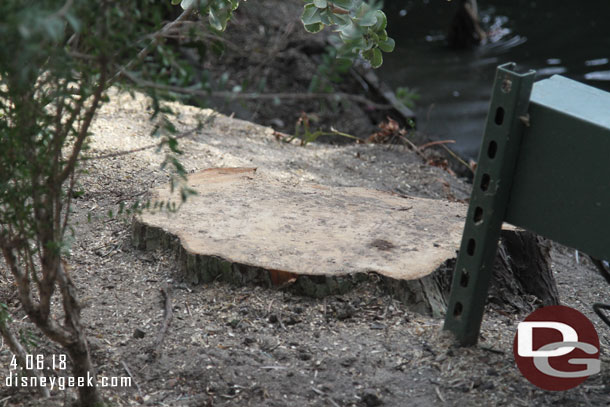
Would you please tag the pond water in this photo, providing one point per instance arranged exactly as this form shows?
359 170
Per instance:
570 38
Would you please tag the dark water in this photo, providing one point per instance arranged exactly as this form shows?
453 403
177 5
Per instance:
571 38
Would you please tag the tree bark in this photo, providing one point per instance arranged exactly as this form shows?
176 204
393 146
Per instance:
70 335
522 278
523 270
78 349
89 395
465 30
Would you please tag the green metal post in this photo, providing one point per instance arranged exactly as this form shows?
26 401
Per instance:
488 202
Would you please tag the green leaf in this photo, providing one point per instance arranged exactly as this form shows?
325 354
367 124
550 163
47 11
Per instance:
174 2
377 58
186 4
325 17
387 45
368 54
343 64
218 48
320 3
350 32
54 28
382 21
172 143
367 20
345 4
314 28
339 19
215 21
311 15
74 22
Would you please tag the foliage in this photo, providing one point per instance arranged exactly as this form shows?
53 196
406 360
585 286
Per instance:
4 314
58 59
304 133
218 11
330 70
407 96
361 26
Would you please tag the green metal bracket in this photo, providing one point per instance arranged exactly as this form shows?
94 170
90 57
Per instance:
488 201
543 166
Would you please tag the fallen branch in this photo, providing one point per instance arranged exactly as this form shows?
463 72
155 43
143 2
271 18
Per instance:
132 378
441 143
167 319
254 95
458 158
435 143
414 147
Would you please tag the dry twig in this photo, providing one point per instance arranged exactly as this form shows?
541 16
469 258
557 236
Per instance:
132 378
167 319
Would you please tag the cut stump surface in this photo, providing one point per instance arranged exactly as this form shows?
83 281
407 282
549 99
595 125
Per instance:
242 216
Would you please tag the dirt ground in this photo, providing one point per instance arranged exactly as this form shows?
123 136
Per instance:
259 346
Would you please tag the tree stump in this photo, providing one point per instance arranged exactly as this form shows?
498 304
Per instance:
245 228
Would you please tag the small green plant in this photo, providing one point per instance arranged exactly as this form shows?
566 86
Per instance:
4 315
330 70
407 96
29 339
303 133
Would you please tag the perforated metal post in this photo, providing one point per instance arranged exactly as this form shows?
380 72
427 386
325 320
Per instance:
488 202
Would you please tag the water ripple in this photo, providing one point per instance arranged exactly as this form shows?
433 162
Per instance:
597 62
551 70
598 76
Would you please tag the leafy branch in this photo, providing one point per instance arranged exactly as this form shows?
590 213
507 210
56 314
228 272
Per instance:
361 26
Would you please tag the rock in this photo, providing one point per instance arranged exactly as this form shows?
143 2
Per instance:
370 399
138 333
